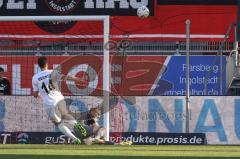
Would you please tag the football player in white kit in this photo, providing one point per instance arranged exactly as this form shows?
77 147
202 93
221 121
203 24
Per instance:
45 85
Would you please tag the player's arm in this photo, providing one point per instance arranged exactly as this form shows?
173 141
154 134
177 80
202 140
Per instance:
58 76
35 88
71 78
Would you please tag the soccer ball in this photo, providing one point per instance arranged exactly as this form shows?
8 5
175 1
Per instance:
143 12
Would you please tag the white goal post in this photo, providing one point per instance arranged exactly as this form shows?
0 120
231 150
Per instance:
106 58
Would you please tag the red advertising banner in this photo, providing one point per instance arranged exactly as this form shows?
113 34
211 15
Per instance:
167 18
130 75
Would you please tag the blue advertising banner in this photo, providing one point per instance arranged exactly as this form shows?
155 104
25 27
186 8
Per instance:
205 75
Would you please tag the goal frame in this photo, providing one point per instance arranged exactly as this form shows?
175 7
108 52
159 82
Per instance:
106 63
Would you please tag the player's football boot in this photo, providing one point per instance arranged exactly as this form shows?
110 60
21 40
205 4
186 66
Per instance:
77 142
79 127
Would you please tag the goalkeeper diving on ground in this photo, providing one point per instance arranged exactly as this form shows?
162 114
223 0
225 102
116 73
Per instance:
94 132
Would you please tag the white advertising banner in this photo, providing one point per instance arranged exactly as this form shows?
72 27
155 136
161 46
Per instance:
217 116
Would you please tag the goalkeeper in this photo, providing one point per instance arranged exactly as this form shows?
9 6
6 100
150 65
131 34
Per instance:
94 133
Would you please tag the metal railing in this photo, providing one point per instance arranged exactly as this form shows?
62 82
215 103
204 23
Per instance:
137 48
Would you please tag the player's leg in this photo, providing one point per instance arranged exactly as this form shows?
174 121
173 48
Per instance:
61 126
99 132
67 116
98 138
94 135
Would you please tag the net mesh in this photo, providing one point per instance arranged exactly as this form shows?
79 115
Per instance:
78 51
69 48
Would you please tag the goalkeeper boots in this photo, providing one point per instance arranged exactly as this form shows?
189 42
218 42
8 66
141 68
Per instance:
124 143
79 127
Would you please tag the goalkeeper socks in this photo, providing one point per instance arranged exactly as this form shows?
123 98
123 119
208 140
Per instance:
66 131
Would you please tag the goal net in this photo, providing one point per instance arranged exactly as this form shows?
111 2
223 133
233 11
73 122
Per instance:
78 53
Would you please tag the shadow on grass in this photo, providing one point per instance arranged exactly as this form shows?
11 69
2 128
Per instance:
9 156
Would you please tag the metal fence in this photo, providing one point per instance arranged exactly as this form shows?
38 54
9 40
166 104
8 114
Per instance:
136 48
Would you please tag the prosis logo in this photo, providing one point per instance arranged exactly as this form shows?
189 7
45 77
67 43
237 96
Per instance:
62 6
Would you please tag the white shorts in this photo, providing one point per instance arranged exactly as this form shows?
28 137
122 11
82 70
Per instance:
55 112
53 115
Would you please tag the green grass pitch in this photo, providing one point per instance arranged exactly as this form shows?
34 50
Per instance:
116 152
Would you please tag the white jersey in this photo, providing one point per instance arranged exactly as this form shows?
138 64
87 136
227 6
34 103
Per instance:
44 83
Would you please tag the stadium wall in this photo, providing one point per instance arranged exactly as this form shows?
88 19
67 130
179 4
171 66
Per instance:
217 116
